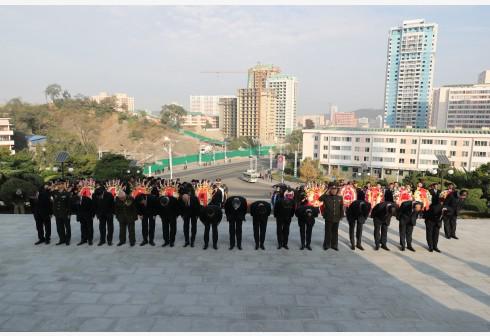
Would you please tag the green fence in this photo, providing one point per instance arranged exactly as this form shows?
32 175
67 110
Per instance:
207 157
203 138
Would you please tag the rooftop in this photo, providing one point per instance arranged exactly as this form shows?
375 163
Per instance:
400 130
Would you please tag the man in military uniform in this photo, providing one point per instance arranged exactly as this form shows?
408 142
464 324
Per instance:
333 211
381 215
306 215
407 216
169 210
126 214
260 212
211 216
356 214
235 210
104 210
283 211
62 212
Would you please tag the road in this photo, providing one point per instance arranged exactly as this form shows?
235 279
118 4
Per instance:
230 175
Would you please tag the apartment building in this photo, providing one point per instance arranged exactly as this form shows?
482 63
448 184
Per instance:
388 152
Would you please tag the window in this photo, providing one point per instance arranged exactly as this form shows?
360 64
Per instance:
368 139
414 141
452 153
466 143
315 155
464 154
366 149
426 141
356 158
480 154
358 139
325 138
366 158
413 151
316 146
403 141
401 160
324 156
412 161
316 138
402 150
325 147
454 143
335 147
481 143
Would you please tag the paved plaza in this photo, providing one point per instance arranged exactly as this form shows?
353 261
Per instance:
89 288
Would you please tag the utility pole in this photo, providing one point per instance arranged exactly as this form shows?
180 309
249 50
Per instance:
295 163
200 155
226 159
270 160
170 159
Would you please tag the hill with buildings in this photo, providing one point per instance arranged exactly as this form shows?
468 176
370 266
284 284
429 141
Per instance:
84 127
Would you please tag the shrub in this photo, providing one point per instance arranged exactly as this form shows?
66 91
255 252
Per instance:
8 189
474 202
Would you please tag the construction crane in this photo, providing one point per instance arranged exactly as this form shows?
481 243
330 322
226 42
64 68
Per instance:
219 73
223 72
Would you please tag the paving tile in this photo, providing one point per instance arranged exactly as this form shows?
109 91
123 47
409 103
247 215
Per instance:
149 289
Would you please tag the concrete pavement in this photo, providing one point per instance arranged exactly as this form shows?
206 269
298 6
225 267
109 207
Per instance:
60 288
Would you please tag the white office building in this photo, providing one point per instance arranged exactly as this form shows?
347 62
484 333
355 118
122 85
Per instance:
394 152
6 134
463 106
285 87
124 103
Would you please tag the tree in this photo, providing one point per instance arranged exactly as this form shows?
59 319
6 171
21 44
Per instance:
171 115
53 91
294 141
112 166
309 124
309 169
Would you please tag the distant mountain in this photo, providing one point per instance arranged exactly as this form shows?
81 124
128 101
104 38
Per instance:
368 113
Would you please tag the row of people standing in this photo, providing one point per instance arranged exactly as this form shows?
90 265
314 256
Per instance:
62 199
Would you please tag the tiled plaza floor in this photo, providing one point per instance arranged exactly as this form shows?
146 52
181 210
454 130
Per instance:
60 288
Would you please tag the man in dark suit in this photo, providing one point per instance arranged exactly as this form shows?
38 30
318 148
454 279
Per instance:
434 193
211 216
42 210
381 215
260 212
356 214
407 217
189 210
306 215
433 222
283 211
454 203
168 210
235 210
104 210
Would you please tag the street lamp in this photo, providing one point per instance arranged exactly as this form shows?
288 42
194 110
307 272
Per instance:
169 143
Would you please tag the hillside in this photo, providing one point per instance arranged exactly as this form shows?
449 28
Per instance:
84 128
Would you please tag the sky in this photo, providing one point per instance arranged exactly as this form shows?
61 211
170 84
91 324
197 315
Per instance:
159 54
